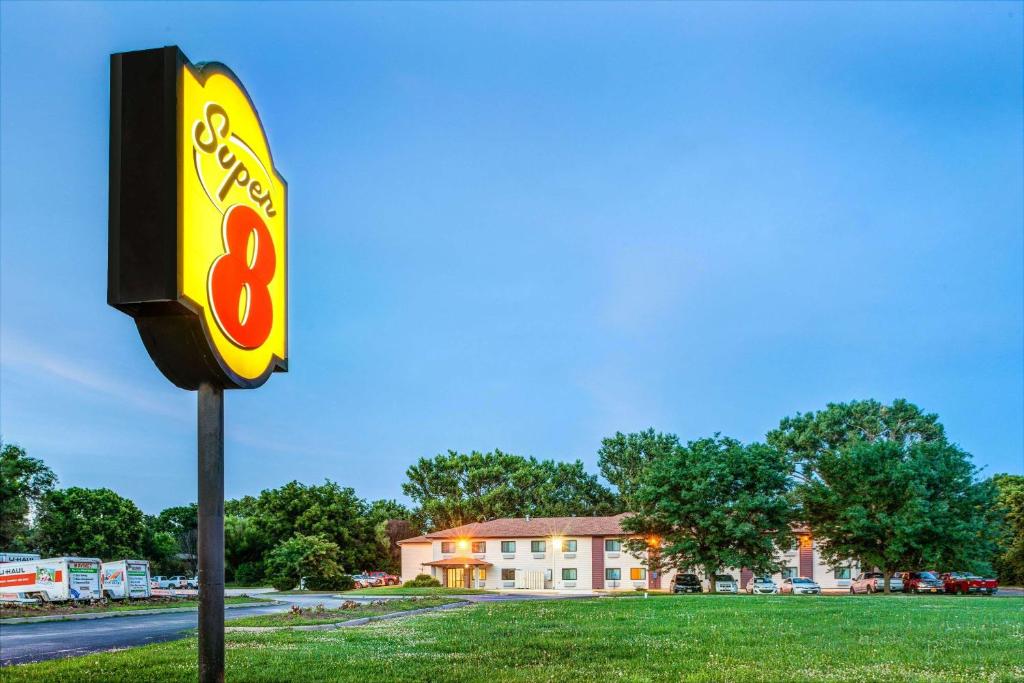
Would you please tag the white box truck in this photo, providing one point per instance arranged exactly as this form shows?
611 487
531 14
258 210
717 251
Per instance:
17 557
125 579
54 579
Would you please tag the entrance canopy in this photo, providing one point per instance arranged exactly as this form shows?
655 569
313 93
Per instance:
459 562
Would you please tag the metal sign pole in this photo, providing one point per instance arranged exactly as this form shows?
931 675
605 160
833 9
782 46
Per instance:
211 533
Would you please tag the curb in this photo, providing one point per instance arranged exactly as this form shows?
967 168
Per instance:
345 624
125 613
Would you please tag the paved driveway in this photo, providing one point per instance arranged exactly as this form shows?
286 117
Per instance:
20 643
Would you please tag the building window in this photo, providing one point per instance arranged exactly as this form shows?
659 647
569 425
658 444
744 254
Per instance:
537 546
612 574
568 574
789 572
508 574
508 546
481 574
569 546
637 574
842 572
479 546
447 547
612 545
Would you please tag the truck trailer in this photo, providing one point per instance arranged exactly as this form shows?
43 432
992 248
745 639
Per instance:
125 579
17 557
54 579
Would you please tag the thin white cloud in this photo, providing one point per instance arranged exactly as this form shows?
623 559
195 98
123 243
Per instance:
19 355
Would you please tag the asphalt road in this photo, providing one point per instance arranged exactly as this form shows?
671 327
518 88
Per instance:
21 643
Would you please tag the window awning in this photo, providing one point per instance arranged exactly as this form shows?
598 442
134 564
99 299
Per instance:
459 562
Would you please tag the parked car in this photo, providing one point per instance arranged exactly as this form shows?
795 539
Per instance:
192 583
964 582
167 582
799 585
922 582
686 583
385 578
874 582
366 581
724 583
762 585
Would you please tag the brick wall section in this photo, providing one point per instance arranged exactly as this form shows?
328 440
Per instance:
806 557
597 562
745 576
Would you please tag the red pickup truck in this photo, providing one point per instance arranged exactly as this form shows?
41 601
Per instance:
385 578
963 582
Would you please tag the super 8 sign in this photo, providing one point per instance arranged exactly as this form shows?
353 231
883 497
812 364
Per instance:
198 229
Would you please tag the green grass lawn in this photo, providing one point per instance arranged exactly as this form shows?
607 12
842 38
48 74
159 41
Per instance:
694 638
333 616
402 590
71 608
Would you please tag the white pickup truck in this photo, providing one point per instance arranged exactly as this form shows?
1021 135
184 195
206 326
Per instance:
167 582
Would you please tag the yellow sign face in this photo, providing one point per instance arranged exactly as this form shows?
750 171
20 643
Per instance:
232 232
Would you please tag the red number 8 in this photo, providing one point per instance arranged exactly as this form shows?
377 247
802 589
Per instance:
233 274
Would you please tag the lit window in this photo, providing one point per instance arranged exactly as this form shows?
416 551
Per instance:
481 574
479 546
569 546
612 574
447 547
637 574
842 572
537 546
508 546
508 574
612 545
568 574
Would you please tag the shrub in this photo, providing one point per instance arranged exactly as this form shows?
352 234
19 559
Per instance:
340 582
423 581
249 573
283 583
313 558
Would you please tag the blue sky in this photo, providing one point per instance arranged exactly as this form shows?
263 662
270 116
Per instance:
528 226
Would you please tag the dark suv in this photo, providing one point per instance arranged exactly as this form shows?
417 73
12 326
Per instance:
686 583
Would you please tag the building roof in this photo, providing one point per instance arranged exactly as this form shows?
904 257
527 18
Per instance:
414 539
459 562
537 527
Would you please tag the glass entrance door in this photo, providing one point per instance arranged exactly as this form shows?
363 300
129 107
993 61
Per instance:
456 577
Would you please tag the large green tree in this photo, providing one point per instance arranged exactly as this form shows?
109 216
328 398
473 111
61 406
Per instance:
1009 560
807 436
624 458
453 488
391 524
716 503
23 482
182 522
90 523
314 559
899 506
160 547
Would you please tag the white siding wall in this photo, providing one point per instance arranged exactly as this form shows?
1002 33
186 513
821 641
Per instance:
624 561
415 554
823 574
413 557
524 558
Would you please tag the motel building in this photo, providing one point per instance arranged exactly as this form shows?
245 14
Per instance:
569 554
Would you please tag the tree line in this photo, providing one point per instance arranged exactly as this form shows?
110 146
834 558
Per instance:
881 484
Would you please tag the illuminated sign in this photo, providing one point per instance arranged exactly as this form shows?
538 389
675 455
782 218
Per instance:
198 230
